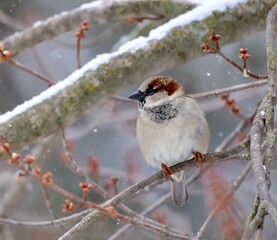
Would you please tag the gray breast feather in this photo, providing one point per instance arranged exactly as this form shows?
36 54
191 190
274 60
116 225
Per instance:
162 113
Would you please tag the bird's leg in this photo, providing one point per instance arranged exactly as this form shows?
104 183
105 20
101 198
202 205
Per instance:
167 171
199 159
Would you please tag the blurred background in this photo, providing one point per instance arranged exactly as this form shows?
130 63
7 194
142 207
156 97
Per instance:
104 141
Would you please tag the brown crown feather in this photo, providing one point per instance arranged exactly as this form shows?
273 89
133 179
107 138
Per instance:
165 84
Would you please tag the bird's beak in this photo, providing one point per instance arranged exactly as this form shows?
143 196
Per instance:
139 96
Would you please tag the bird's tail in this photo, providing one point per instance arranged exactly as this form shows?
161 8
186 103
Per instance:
179 190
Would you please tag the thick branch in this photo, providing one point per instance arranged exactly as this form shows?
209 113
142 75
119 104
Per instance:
262 129
97 12
263 121
174 42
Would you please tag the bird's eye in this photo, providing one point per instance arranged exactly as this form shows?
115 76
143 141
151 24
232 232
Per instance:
150 91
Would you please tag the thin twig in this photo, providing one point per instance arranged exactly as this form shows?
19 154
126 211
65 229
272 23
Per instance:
78 53
49 205
222 91
254 76
33 224
244 55
48 201
30 71
80 35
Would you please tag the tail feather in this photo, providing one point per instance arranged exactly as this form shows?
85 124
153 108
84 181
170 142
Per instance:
179 190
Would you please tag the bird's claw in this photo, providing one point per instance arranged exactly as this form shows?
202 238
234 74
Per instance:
199 159
167 171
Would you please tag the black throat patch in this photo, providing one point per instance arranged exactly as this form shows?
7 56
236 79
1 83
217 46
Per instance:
161 113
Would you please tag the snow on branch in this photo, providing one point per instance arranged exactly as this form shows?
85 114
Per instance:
175 42
96 12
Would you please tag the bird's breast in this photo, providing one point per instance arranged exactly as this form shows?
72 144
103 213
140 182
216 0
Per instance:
167 142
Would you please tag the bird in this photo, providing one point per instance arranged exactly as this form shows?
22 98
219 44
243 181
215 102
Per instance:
171 127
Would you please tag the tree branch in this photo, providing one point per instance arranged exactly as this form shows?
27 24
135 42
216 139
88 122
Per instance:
227 90
96 12
151 208
126 193
175 42
263 126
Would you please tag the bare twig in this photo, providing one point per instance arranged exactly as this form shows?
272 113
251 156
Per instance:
5 57
80 35
30 71
49 205
48 201
33 224
244 55
241 69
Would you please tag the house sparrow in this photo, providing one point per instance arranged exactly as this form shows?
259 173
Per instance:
171 128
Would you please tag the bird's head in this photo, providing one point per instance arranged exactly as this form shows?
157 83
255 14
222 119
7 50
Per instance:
157 90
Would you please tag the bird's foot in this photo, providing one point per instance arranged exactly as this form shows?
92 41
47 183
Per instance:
167 171
199 159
